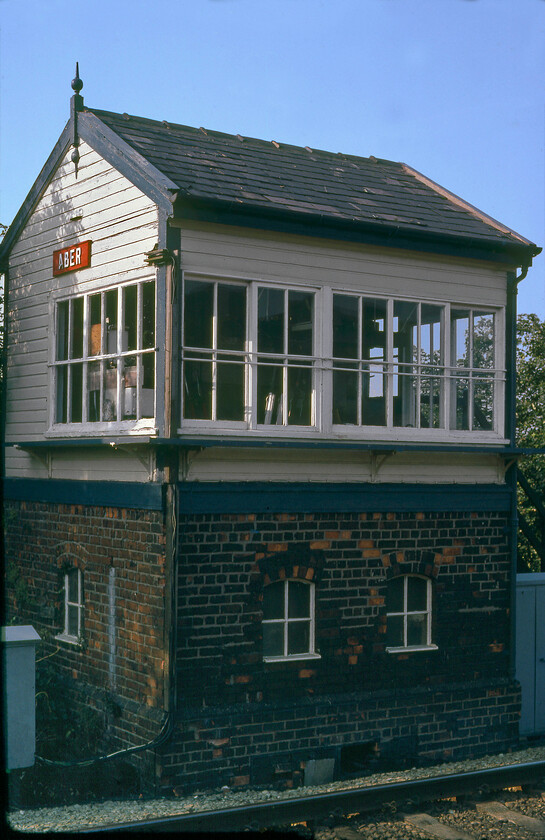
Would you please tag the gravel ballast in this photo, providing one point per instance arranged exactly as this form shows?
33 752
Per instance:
72 817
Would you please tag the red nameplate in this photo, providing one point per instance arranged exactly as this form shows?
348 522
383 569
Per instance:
72 258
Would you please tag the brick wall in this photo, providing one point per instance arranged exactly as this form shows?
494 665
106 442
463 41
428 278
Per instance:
271 745
224 563
238 716
120 666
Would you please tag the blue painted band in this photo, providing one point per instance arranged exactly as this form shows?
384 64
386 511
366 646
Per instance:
265 497
268 497
124 494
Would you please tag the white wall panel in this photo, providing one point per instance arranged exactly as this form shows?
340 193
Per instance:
100 205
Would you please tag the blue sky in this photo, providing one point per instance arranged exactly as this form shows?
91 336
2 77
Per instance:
455 88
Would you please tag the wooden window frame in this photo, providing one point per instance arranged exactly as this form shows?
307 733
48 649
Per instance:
115 358
405 613
66 636
285 621
322 362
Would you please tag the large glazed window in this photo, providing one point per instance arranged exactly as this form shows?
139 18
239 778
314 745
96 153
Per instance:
214 352
285 342
473 363
248 354
274 358
105 356
359 365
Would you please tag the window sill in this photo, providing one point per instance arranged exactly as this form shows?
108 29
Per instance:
75 641
298 657
84 430
343 434
411 649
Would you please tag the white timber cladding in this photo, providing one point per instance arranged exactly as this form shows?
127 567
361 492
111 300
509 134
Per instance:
122 223
215 464
244 254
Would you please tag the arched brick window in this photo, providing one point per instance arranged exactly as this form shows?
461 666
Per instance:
409 612
288 620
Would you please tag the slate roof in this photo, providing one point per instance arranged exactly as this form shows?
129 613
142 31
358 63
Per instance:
304 183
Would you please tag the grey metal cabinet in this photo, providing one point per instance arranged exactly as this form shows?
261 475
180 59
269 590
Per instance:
530 651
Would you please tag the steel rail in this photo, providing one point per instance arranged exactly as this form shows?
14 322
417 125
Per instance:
282 812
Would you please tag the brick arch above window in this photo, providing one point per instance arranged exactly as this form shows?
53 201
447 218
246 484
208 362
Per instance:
71 556
412 562
294 563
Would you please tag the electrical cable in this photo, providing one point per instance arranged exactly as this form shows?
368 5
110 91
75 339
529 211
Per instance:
159 739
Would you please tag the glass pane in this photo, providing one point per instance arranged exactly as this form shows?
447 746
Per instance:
394 631
298 600
62 394
62 330
405 352
230 391
72 580
109 401
198 314
417 594
298 637
299 396
430 400
273 600
110 299
129 381
345 327
461 402
417 629
459 332
73 627
345 396
231 317
76 396
95 325
273 639
147 395
77 328
270 321
269 394
374 329
148 315
130 318
430 335
483 340
396 588
93 391
300 323
405 399
483 403
198 390
373 408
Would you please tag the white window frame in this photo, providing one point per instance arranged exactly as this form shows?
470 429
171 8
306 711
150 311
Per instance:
251 360
322 367
90 427
285 621
66 636
405 613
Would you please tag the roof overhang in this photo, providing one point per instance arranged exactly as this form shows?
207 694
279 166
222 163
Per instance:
220 211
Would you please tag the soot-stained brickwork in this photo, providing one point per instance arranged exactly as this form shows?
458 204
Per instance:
119 666
453 701
240 720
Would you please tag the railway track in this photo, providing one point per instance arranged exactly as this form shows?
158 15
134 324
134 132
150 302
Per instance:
333 808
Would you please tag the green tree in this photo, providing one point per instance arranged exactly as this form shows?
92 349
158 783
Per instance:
530 410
